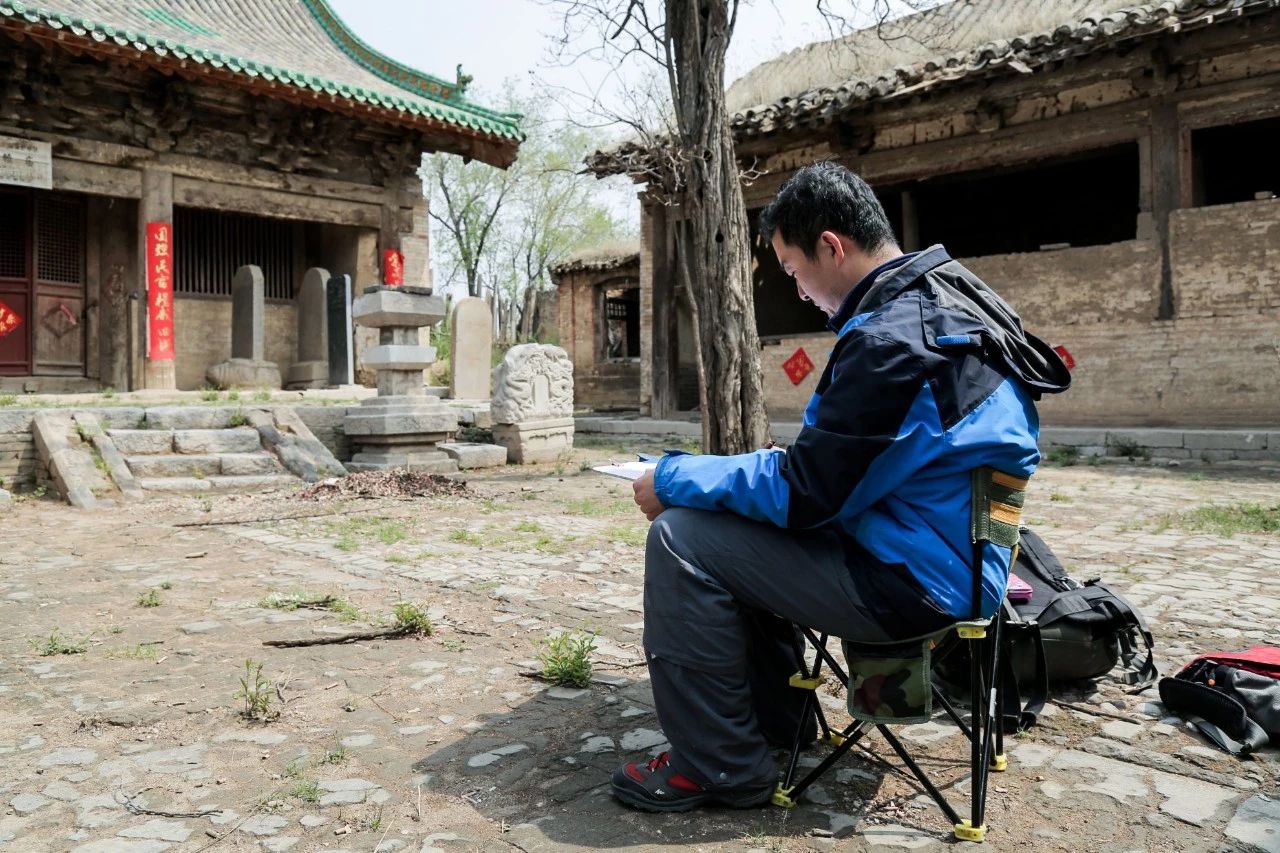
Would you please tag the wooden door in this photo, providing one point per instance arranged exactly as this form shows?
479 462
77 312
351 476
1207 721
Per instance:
15 283
58 264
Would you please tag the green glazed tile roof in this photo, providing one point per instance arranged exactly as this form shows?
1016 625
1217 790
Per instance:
299 43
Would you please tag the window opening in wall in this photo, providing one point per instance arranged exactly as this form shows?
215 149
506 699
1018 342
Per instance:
1236 162
1088 199
210 245
621 339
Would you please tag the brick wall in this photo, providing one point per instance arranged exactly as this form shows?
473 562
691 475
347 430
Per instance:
1217 364
784 400
19 462
597 383
202 328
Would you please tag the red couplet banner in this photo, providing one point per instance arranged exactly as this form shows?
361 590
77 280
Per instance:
393 267
159 291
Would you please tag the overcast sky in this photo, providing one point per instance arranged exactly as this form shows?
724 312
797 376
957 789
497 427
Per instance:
496 40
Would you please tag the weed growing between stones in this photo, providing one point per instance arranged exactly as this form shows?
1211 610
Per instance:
307 790
56 644
344 609
334 755
262 395
8 400
209 394
150 598
412 619
465 537
352 532
256 692
1065 456
566 657
238 418
142 651
234 395
1228 519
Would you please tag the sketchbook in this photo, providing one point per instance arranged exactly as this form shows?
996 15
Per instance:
626 470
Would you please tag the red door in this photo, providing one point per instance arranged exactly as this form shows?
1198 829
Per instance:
15 283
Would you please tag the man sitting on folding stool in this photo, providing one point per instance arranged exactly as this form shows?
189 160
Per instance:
861 528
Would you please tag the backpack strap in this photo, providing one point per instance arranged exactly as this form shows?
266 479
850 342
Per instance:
1140 675
1214 713
1020 717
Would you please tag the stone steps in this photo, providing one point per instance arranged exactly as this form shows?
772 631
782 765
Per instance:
140 442
217 483
191 465
202 459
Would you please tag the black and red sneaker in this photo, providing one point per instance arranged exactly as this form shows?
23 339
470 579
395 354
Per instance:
656 787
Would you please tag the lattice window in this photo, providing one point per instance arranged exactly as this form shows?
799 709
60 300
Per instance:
59 240
621 338
209 246
13 234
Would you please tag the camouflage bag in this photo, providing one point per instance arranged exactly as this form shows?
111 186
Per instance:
890 684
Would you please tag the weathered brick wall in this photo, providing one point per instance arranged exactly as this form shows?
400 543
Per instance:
597 383
19 462
1217 364
202 329
784 400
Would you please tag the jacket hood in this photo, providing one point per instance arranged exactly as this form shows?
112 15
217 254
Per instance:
961 292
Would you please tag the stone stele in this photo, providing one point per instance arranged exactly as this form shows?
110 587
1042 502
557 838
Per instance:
472 347
247 367
311 369
533 403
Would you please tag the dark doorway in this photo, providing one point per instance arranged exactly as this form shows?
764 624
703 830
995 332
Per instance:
42 283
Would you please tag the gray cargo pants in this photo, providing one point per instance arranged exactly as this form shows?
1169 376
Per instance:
719 655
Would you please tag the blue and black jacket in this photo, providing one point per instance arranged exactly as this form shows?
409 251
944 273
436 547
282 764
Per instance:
931 376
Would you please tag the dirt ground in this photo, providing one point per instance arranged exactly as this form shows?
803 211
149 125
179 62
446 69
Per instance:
137 742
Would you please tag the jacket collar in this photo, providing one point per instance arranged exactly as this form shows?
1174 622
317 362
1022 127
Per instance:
879 286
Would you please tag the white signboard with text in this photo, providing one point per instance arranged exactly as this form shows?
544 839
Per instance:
26 163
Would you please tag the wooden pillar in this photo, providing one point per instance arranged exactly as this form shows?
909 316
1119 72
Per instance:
659 351
910 223
1169 168
156 205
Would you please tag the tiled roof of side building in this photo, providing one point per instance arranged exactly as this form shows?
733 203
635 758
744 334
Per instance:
298 43
949 43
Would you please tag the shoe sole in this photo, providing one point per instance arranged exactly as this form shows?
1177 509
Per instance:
688 804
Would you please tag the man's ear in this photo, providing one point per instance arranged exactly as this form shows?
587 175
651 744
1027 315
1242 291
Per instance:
830 241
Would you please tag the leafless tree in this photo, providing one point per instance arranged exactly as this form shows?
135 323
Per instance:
693 169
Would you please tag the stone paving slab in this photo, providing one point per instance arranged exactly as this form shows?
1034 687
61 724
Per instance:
444 743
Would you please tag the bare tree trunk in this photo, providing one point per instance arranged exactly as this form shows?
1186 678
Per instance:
528 312
716 245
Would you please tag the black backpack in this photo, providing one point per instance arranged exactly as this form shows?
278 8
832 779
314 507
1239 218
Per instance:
1067 631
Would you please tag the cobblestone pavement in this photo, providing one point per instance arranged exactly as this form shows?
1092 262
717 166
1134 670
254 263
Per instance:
443 743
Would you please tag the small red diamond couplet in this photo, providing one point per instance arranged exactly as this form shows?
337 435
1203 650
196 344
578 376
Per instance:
798 366
9 320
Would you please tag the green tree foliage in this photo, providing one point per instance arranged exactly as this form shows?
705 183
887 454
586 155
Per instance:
499 232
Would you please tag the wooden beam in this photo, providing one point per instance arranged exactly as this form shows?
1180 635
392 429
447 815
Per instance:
191 192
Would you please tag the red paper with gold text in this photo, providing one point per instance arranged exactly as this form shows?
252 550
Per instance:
159 291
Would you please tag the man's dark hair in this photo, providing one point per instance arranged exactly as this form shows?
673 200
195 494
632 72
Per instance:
826 197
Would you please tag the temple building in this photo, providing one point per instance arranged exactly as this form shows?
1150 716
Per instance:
1108 166
148 151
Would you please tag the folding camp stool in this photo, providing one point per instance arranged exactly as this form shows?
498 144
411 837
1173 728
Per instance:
890 683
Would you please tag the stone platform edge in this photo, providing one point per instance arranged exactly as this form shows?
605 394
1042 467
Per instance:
1205 445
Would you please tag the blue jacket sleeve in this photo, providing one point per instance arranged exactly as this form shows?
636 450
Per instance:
747 484
865 397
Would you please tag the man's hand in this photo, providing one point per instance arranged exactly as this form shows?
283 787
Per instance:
646 498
